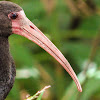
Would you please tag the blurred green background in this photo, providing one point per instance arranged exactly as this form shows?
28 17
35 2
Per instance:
74 27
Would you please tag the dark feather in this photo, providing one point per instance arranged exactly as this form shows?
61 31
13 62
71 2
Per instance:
7 66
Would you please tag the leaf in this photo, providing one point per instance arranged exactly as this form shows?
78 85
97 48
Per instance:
40 96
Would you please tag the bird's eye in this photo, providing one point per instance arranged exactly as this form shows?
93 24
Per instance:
13 15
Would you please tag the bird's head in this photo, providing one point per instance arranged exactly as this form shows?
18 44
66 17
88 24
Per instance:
5 23
13 20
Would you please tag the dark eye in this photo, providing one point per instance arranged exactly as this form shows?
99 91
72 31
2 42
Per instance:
13 15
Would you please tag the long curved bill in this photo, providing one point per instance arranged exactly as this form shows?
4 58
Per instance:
23 26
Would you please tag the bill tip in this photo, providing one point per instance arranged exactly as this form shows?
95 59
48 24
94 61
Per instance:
80 89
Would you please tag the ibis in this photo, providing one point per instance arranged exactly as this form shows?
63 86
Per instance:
14 21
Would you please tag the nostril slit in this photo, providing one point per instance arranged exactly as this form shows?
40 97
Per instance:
32 27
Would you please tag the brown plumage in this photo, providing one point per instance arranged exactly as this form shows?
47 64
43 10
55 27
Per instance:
7 67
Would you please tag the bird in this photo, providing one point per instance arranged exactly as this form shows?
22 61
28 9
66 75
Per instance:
14 21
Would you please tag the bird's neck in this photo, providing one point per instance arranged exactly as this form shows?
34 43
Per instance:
7 69
4 48
5 59
4 43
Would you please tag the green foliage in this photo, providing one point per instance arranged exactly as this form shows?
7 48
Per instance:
40 97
